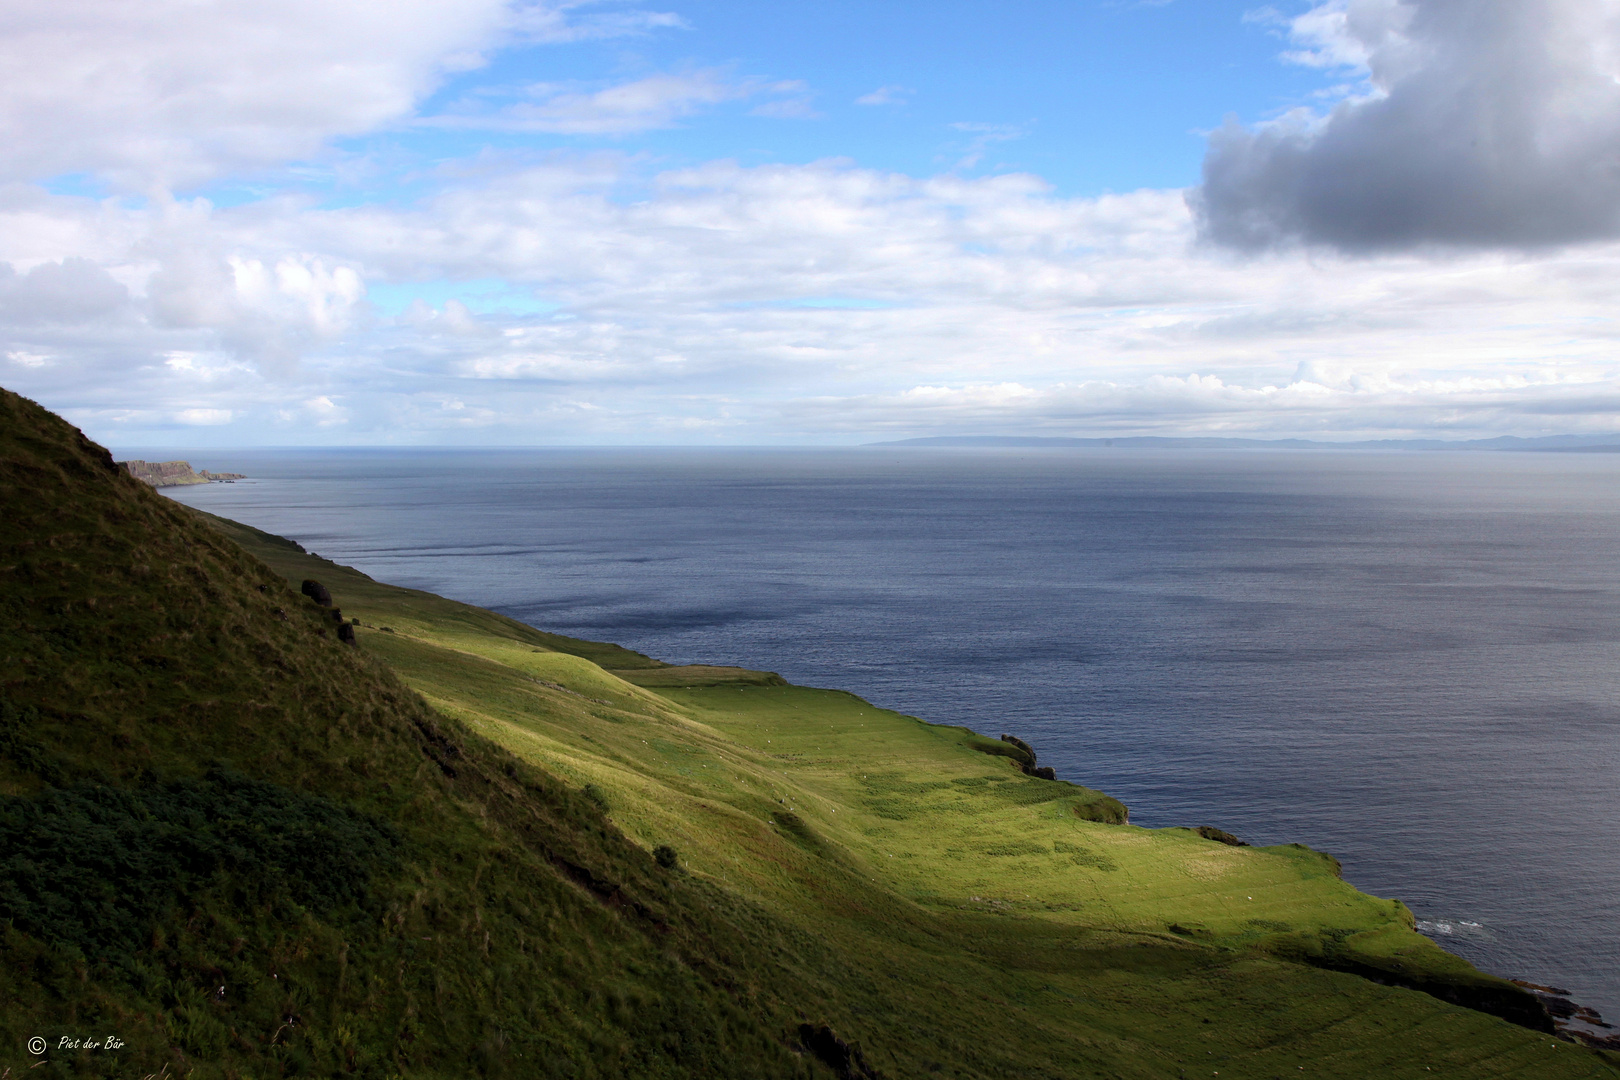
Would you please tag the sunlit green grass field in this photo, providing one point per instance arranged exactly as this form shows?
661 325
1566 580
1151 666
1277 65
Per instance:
987 923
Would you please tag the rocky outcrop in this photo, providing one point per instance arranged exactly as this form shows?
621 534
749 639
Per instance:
845 1059
323 596
173 473
1579 1023
1026 759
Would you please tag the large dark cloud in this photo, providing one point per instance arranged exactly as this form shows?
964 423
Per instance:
1497 124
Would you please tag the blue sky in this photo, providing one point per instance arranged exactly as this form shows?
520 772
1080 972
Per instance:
1091 96
551 221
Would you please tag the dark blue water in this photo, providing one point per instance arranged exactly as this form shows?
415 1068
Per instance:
1408 660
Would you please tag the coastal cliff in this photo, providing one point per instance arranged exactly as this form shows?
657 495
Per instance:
173 473
236 845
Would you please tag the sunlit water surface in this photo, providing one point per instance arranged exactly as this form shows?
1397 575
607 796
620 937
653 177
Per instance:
1408 660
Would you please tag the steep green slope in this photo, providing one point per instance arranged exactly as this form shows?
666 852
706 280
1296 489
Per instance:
239 846
244 848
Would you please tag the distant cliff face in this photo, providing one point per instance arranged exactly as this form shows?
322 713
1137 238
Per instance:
173 473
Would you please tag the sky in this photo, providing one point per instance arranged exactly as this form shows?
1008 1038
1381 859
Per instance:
707 222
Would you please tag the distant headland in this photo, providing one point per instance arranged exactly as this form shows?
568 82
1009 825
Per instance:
175 473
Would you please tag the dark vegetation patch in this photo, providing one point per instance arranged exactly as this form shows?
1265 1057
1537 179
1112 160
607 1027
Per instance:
692 675
996 748
22 751
1084 856
1486 995
1093 860
893 797
1030 794
893 783
97 867
1267 926
1220 836
799 831
1010 848
1099 807
890 809
1095 806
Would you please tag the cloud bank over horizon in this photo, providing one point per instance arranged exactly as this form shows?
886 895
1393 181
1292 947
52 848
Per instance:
505 258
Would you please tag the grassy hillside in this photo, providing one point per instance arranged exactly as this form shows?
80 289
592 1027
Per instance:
245 848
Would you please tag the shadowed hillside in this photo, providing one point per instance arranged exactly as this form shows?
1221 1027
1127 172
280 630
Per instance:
464 847
230 838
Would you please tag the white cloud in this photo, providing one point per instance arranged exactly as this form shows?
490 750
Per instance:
886 95
657 101
162 94
325 412
798 102
168 92
646 104
555 23
203 417
1353 404
983 137
703 308
269 313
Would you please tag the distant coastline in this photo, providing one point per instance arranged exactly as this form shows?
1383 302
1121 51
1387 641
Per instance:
162 474
1564 443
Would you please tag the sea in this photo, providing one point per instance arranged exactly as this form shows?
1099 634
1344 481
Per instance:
1410 660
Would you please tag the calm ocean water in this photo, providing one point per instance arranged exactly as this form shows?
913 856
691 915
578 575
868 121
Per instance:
1407 660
